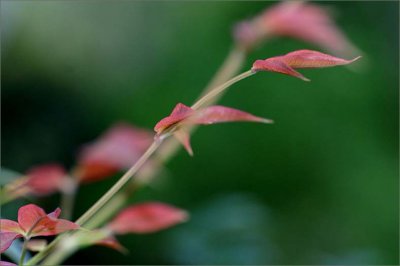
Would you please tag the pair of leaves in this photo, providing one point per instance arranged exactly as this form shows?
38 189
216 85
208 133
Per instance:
296 19
183 116
286 64
32 222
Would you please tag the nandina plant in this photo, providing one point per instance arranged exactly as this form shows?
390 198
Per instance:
141 153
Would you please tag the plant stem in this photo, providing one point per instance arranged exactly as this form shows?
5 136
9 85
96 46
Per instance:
108 211
68 199
229 68
22 258
103 200
206 98
121 182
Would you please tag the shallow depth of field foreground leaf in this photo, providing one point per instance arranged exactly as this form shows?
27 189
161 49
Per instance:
147 218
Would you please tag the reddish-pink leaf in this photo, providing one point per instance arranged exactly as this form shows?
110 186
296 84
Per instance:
184 138
33 220
147 218
115 150
184 115
29 215
220 114
179 113
295 19
6 239
112 242
286 64
6 263
10 226
46 179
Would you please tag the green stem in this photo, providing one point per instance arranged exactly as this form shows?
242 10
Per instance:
228 69
108 211
68 198
204 100
103 200
22 258
121 182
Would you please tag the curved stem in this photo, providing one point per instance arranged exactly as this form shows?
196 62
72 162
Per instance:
121 182
229 68
203 101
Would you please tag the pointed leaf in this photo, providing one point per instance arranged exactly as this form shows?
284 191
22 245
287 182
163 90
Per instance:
49 226
6 239
296 19
184 138
10 226
184 115
46 179
34 220
29 215
147 218
112 242
220 114
286 64
117 149
179 113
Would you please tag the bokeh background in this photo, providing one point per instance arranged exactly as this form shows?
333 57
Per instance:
320 186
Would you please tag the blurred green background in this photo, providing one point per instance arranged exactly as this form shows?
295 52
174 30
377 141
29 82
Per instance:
320 186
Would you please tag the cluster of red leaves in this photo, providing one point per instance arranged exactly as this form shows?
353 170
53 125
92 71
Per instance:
32 222
296 19
116 150
142 218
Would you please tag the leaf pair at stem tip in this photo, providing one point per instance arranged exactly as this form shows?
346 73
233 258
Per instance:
183 116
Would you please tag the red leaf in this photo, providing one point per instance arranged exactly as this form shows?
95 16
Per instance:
179 113
295 19
46 179
6 263
184 138
115 150
33 220
112 242
286 64
10 226
184 115
147 218
6 239
220 114
29 215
